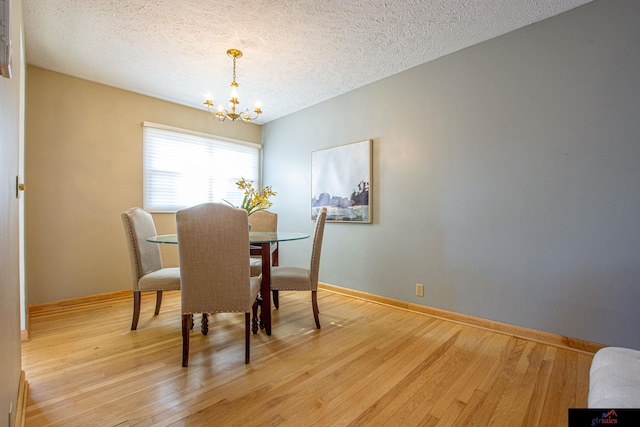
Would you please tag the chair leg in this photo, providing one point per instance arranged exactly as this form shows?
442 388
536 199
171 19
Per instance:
158 302
204 324
247 321
314 303
136 310
259 301
254 319
276 300
187 321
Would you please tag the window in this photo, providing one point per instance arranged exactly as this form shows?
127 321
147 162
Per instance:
183 168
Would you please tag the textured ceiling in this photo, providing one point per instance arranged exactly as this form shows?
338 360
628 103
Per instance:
296 53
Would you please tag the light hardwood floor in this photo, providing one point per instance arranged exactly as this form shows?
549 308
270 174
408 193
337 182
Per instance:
370 365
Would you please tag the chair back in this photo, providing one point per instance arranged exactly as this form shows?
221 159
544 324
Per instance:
144 256
317 248
264 221
214 259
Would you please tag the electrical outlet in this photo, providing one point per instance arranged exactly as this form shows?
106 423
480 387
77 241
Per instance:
419 289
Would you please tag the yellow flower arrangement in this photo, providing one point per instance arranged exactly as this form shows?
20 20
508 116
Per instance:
254 200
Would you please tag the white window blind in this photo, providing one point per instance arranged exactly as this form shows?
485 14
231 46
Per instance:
183 168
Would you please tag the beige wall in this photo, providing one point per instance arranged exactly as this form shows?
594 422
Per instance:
83 168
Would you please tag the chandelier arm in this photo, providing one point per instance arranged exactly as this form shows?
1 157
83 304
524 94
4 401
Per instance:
246 116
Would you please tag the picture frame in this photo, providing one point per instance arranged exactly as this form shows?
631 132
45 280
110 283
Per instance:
341 182
5 39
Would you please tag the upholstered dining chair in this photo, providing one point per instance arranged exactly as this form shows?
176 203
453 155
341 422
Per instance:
263 221
146 262
302 279
214 266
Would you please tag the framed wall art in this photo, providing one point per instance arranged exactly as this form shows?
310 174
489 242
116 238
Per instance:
341 182
5 39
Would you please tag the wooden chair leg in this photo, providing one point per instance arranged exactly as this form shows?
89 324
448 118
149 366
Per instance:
136 310
247 321
254 318
158 302
186 328
314 303
204 324
259 301
276 299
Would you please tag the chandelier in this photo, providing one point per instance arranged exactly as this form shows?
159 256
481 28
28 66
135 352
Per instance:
221 113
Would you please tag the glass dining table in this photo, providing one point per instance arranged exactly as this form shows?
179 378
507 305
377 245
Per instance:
262 243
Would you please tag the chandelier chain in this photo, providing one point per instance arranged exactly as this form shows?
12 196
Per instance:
234 71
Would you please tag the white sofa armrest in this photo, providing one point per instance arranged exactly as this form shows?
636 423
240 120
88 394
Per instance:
614 378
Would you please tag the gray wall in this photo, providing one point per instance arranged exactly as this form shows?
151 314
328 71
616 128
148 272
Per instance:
506 178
